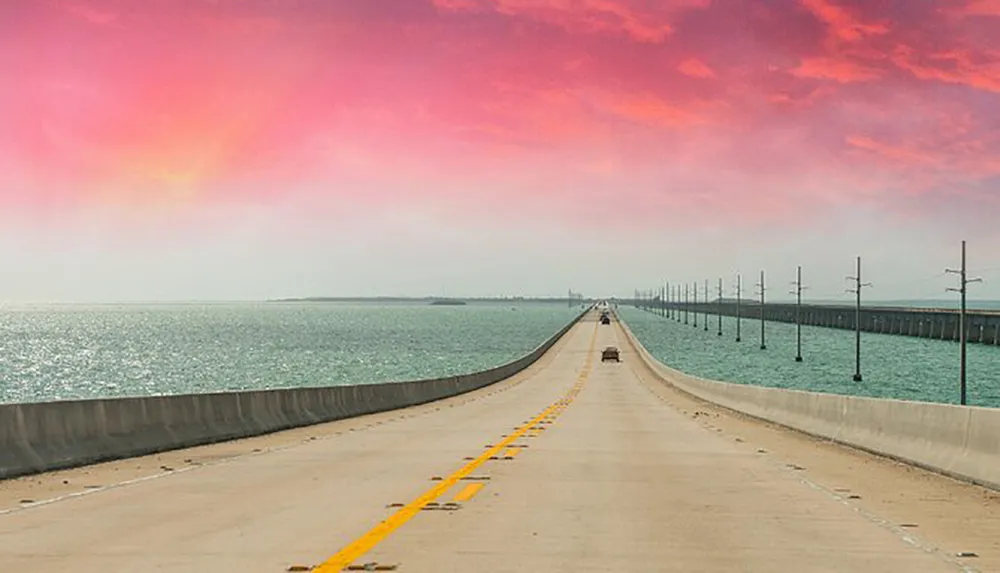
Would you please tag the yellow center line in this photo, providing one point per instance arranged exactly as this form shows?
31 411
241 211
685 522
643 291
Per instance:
511 452
341 559
469 491
363 544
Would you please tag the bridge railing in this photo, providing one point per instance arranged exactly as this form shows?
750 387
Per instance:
44 436
959 441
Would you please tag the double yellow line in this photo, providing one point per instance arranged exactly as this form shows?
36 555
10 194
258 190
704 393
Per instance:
341 559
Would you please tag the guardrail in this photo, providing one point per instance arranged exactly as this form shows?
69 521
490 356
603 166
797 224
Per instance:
45 436
959 441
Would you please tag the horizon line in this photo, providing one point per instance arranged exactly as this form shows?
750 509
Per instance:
403 298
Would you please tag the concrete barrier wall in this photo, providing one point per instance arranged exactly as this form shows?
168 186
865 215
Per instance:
959 441
53 435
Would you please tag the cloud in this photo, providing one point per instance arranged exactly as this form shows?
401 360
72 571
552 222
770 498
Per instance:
840 70
842 23
895 153
90 13
958 66
638 20
979 8
479 102
695 68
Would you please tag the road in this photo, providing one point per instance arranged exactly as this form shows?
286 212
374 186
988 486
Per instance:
573 465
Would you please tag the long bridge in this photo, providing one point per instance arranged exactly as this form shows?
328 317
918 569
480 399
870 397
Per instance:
555 462
981 326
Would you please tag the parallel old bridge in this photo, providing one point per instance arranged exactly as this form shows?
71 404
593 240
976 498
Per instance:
982 326
555 462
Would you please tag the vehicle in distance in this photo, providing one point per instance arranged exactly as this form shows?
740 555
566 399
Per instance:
609 353
605 319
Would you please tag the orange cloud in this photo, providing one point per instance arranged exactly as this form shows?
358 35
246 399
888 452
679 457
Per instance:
980 8
838 69
638 20
955 67
649 110
843 25
801 100
931 159
456 4
896 153
695 68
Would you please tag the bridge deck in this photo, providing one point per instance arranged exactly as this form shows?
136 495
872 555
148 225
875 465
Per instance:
598 468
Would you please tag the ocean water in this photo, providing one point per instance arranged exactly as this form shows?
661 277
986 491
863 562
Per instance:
71 352
898 367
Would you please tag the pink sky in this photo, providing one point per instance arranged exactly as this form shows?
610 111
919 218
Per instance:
680 112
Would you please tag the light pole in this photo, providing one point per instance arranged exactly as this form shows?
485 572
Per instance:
686 299
706 305
798 313
963 335
694 311
663 300
673 309
739 296
670 300
677 294
720 306
857 320
763 346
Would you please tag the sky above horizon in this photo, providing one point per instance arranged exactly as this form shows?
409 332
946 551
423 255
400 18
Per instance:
251 149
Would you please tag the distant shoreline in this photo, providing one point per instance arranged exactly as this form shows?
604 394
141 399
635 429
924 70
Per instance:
425 299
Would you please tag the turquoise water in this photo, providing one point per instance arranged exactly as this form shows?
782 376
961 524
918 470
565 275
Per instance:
71 352
892 366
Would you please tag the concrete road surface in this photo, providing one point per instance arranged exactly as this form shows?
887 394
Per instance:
574 465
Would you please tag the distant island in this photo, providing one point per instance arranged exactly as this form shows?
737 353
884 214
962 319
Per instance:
448 302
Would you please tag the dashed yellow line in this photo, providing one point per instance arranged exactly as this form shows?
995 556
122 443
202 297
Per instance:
366 542
341 559
469 491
